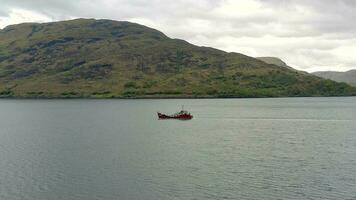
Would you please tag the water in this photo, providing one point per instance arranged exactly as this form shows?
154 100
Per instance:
288 148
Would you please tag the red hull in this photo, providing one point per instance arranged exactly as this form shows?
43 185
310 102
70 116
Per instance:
180 117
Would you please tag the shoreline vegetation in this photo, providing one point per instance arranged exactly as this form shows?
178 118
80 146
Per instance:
164 97
98 59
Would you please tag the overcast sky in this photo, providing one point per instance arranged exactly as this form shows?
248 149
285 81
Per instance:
309 35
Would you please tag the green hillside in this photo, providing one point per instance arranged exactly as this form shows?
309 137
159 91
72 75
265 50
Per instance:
104 59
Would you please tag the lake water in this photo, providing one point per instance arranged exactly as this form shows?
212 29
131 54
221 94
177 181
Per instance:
283 148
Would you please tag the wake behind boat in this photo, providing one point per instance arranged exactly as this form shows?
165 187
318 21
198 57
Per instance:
182 115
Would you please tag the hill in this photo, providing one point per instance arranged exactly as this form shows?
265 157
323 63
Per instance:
347 77
104 59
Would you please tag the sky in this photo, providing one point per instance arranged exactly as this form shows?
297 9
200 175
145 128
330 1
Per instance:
309 35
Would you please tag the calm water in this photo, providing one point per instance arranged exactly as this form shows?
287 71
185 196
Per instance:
289 148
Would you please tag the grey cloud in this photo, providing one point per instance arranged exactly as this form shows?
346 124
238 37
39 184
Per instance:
105 8
331 15
4 11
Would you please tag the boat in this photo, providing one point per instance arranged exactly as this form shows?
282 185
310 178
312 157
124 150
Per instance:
182 115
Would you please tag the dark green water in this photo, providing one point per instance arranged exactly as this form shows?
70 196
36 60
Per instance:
288 148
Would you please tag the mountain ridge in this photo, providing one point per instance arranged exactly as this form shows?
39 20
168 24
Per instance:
275 61
347 77
88 58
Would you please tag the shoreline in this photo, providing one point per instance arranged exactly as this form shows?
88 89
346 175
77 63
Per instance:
160 97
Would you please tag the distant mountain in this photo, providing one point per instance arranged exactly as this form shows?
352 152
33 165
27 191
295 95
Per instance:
104 59
274 61
347 77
